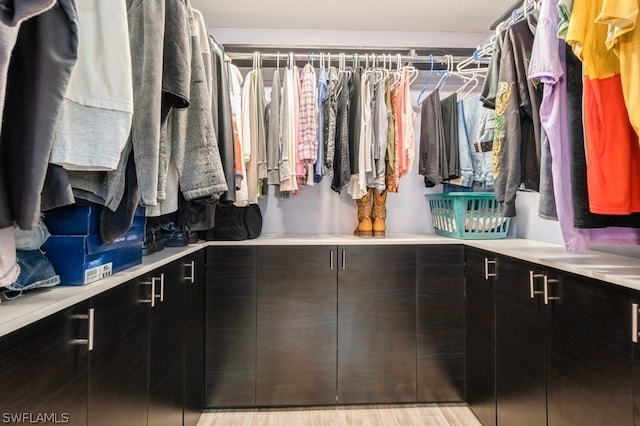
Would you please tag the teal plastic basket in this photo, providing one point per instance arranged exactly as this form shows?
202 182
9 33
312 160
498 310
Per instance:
468 215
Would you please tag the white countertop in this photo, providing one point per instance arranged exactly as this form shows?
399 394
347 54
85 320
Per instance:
41 303
340 239
613 268
616 269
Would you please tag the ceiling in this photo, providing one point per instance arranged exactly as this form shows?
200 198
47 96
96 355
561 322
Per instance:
459 16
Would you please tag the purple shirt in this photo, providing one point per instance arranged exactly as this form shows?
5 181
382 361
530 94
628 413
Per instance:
548 65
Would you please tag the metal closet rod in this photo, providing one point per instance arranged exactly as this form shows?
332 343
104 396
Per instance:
283 56
243 55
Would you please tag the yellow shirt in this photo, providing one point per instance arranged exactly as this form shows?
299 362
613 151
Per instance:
619 18
588 39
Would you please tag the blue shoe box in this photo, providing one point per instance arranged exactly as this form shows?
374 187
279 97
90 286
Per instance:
83 259
82 220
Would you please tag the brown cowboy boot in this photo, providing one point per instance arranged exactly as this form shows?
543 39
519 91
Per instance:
379 213
365 227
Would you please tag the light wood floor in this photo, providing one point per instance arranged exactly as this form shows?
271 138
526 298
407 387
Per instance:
405 415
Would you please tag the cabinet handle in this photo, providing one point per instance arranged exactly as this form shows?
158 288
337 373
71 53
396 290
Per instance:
548 281
532 277
161 295
344 259
488 262
331 259
154 296
89 340
152 299
191 276
634 322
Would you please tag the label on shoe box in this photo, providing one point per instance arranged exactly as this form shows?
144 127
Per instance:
97 272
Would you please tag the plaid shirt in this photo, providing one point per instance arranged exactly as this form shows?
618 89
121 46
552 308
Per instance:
308 146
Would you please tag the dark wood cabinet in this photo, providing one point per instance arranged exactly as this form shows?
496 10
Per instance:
230 327
118 383
480 336
589 359
194 287
166 346
635 345
131 355
521 389
45 370
296 325
562 342
440 323
377 324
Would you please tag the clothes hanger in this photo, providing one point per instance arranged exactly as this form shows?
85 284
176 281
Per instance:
446 73
426 81
278 61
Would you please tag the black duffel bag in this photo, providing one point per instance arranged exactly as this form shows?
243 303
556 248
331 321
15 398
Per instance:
234 223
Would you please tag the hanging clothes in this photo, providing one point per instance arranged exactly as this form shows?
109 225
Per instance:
475 135
406 121
308 146
342 157
449 111
323 96
549 64
624 39
432 165
10 22
287 135
195 147
517 142
612 150
329 116
380 127
34 92
357 186
583 218
273 140
235 92
564 11
146 60
489 90
392 176
222 120
95 117
253 132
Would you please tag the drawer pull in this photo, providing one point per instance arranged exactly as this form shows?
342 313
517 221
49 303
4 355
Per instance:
191 276
532 277
634 322
548 281
488 262
91 319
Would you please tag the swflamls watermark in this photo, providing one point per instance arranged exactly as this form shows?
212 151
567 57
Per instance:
35 418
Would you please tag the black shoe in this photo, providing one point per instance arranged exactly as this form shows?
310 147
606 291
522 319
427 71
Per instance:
174 236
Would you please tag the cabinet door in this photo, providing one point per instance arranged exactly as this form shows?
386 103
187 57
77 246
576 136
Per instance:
520 344
166 347
377 324
635 317
230 342
193 269
43 373
440 324
589 371
297 325
119 376
480 334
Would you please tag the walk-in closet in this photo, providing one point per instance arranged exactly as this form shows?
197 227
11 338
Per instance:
287 212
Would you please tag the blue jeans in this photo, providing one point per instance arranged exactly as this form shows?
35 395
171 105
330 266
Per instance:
32 240
35 271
